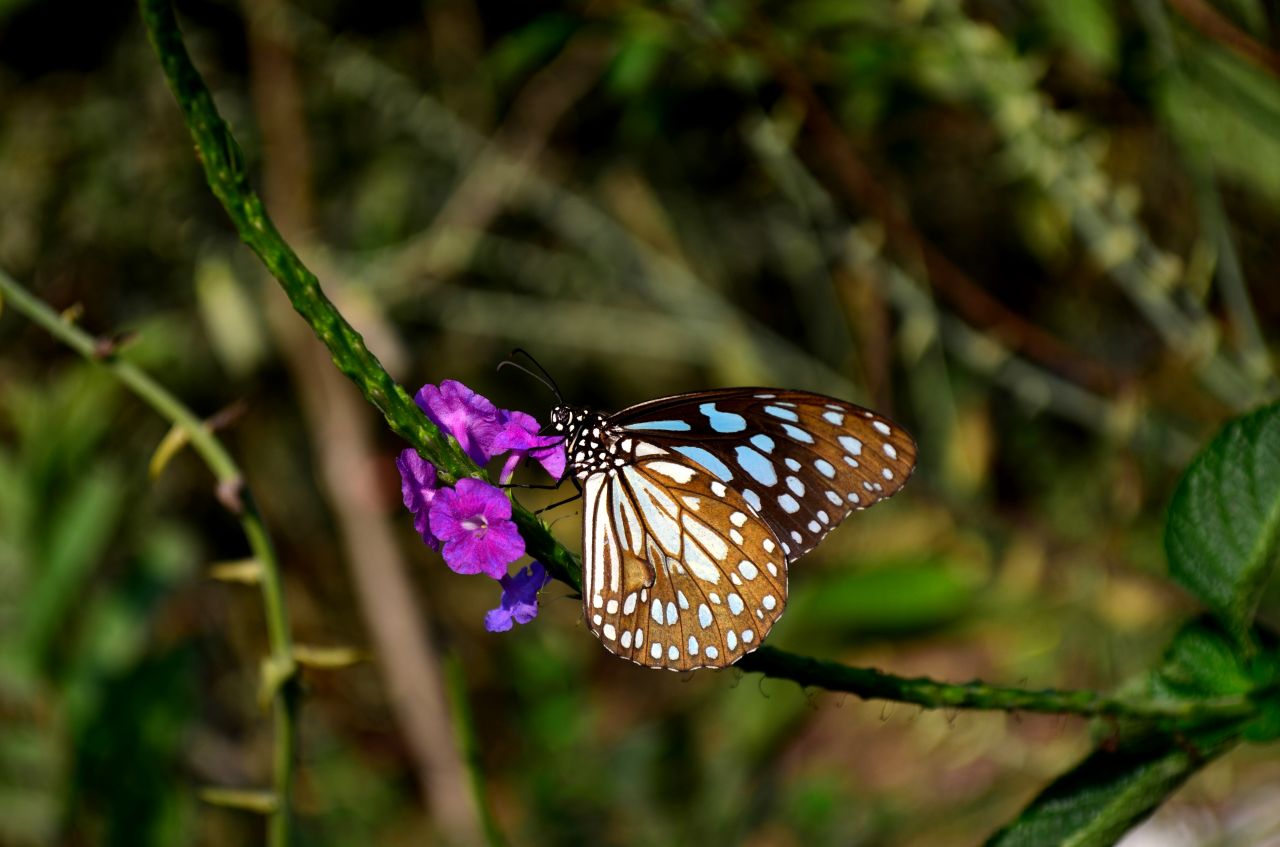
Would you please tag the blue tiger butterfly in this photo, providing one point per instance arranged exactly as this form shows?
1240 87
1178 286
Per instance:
696 504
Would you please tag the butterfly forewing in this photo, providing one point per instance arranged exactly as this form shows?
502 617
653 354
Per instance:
802 461
679 571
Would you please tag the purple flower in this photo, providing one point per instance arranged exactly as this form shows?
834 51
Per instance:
418 487
519 434
519 602
464 414
473 522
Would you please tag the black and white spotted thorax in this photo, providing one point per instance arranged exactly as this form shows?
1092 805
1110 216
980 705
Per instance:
592 444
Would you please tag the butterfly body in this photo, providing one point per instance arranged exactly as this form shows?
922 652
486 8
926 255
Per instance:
695 505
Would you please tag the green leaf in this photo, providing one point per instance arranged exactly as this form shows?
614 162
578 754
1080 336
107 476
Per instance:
1224 522
1200 662
1126 778
245 799
1108 793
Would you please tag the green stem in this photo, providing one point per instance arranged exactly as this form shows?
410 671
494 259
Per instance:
871 684
224 169
230 478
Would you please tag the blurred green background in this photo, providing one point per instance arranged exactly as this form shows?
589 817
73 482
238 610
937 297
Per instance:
1042 235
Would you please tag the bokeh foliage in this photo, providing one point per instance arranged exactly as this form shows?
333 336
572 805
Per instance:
1107 174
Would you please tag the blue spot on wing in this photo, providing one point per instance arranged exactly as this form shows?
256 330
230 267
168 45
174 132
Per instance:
708 461
723 421
663 426
760 468
779 412
798 434
763 441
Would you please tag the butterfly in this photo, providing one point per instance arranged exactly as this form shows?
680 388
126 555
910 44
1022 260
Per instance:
695 506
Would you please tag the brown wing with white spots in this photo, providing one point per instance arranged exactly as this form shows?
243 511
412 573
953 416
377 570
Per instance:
802 461
678 571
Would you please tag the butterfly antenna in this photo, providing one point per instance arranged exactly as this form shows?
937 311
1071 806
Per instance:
550 380
550 384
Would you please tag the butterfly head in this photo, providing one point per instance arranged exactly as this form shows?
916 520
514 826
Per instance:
572 421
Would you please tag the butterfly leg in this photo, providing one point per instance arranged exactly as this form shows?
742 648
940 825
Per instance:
577 496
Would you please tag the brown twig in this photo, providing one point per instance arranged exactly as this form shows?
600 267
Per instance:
345 449
495 174
1217 26
858 186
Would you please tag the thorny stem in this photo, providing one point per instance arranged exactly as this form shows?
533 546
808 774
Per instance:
224 168
230 479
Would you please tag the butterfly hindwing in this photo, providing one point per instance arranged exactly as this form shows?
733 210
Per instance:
679 571
802 461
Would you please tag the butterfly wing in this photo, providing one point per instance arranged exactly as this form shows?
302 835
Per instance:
678 571
802 461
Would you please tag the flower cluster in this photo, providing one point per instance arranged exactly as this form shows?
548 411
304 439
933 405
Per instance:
470 523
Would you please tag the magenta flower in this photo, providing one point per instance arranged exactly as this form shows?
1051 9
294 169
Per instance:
418 487
473 522
519 602
464 414
519 434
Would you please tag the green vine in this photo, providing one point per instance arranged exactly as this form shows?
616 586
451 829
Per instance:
278 677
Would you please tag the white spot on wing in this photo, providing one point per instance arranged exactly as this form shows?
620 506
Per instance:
658 508
701 533
850 444
882 427
680 473
701 566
